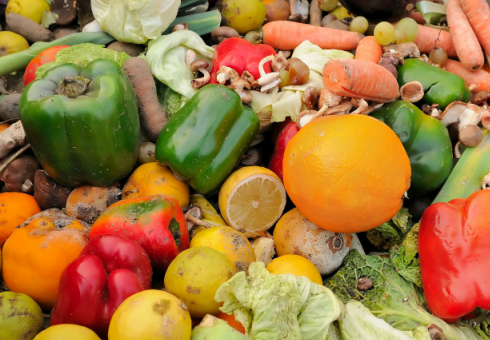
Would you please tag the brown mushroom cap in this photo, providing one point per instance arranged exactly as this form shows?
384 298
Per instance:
470 135
412 92
452 112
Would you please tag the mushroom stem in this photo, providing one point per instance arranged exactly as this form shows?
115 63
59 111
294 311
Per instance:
200 82
190 56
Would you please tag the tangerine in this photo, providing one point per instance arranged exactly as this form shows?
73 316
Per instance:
346 173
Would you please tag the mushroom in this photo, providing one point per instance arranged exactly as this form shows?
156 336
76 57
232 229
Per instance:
198 64
279 62
299 10
47 193
470 135
342 109
485 119
18 175
200 82
253 156
485 184
412 91
404 50
245 96
464 114
480 97
362 108
267 80
146 153
458 150
435 333
327 19
257 140
364 283
310 97
180 27
316 13
222 33
285 54
264 249
225 73
328 98
307 116
190 56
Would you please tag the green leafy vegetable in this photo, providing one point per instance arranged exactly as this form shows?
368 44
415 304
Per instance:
272 306
404 257
83 54
397 301
392 232
170 100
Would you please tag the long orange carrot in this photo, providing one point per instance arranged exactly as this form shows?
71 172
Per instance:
360 79
480 78
427 36
478 14
287 35
369 50
464 39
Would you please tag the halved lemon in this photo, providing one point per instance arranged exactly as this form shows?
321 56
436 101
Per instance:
252 199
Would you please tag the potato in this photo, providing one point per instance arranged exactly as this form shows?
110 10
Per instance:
195 275
295 234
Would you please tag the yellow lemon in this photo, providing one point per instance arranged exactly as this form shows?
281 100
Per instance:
195 275
11 42
151 315
296 265
243 15
154 179
228 241
63 332
32 9
252 199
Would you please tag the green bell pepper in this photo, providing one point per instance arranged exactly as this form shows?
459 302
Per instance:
206 138
82 123
440 87
426 141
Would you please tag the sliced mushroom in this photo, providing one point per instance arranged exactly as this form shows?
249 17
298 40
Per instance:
362 107
190 56
403 50
305 117
279 62
412 92
328 98
464 114
197 64
310 97
253 156
485 119
470 135
222 33
342 109
200 82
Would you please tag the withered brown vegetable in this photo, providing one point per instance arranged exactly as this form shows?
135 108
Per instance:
47 193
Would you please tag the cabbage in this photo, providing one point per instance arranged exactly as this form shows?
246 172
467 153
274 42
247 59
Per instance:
135 21
166 57
272 306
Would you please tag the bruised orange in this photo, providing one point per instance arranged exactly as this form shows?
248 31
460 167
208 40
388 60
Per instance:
346 173
15 209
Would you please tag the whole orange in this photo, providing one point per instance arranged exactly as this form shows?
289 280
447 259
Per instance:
37 253
15 209
346 173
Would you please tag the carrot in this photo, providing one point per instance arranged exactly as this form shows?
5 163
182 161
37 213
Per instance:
464 39
287 35
426 40
480 78
369 50
360 79
153 118
478 14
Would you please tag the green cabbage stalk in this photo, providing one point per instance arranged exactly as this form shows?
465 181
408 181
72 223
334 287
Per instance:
135 21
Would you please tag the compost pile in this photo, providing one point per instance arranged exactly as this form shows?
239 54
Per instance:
244 169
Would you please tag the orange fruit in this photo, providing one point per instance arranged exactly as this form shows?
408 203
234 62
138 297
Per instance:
15 209
346 173
296 265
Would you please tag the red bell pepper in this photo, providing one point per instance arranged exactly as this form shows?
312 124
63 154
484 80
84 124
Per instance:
155 222
454 250
109 269
46 56
240 55
287 133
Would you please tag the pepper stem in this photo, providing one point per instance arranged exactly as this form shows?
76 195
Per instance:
72 86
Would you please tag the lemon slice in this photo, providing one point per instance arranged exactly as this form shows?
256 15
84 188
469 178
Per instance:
252 199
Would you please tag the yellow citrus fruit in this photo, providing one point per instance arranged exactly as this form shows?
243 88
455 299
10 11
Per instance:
32 9
228 241
68 331
296 265
252 199
243 15
346 173
20 316
11 42
151 315
195 275
154 179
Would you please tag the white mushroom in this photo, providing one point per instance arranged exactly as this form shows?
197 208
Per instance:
328 98
485 184
464 114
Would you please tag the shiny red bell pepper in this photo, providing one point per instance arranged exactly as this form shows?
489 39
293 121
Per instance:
109 269
240 55
454 250
287 133
46 56
155 222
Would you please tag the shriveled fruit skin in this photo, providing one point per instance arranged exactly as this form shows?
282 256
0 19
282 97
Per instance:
87 202
20 317
228 241
151 315
295 234
194 277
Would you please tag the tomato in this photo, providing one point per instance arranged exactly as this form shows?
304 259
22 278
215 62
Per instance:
42 58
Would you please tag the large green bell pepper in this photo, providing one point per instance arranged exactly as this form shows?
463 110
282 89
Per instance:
82 123
206 138
440 87
426 141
